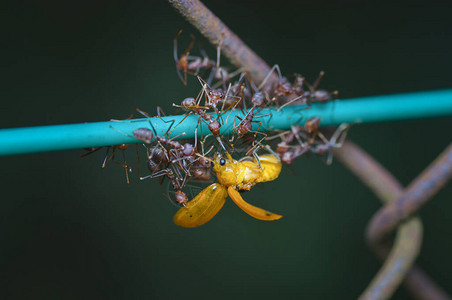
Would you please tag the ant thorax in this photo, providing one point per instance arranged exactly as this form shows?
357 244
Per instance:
215 96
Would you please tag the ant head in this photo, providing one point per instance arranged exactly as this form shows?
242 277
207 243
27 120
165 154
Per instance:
201 173
181 197
215 95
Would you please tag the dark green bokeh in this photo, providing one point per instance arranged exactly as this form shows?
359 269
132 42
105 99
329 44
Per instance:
70 229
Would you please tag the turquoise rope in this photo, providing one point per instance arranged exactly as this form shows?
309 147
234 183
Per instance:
366 110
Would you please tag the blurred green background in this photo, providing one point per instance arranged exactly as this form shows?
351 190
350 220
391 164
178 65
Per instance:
70 229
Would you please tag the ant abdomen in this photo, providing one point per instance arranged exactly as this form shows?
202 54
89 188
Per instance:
190 101
144 134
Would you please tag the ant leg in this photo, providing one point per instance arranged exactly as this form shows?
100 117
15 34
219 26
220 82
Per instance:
159 113
294 132
108 158
176 59
181 162
225 97
236 72
233 124
123 120
203 142
275 67
233 107
181 121
219 50
317 82
138 159
257 130
293 100
271 151
205 87
219 70
256 145
156 174
211 75
197 125
340 134
254 150
323 138
126 168
90 152
279 135
123 133
196 139
221 143
152 125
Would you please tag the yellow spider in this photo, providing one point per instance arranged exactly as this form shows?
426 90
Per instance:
233 176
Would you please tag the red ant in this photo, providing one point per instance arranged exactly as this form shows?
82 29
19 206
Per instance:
287 152
182 62
246 125
199 63
312 95
192 105
179 152
336 141
187 63
257 100
320 96
201 166
158 157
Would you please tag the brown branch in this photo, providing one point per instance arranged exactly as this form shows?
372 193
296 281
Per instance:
408 238
416 195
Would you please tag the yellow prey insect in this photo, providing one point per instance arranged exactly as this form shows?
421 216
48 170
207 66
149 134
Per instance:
233 176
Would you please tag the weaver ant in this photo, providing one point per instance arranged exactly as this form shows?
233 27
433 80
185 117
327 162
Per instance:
159 164
182 62
312 94
192 105
193 64
336 141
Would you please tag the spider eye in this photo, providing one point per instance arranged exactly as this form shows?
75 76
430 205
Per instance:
222 161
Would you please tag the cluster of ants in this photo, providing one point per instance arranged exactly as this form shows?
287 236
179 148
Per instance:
182 162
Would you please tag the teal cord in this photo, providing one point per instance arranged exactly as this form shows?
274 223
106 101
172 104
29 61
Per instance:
366 110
